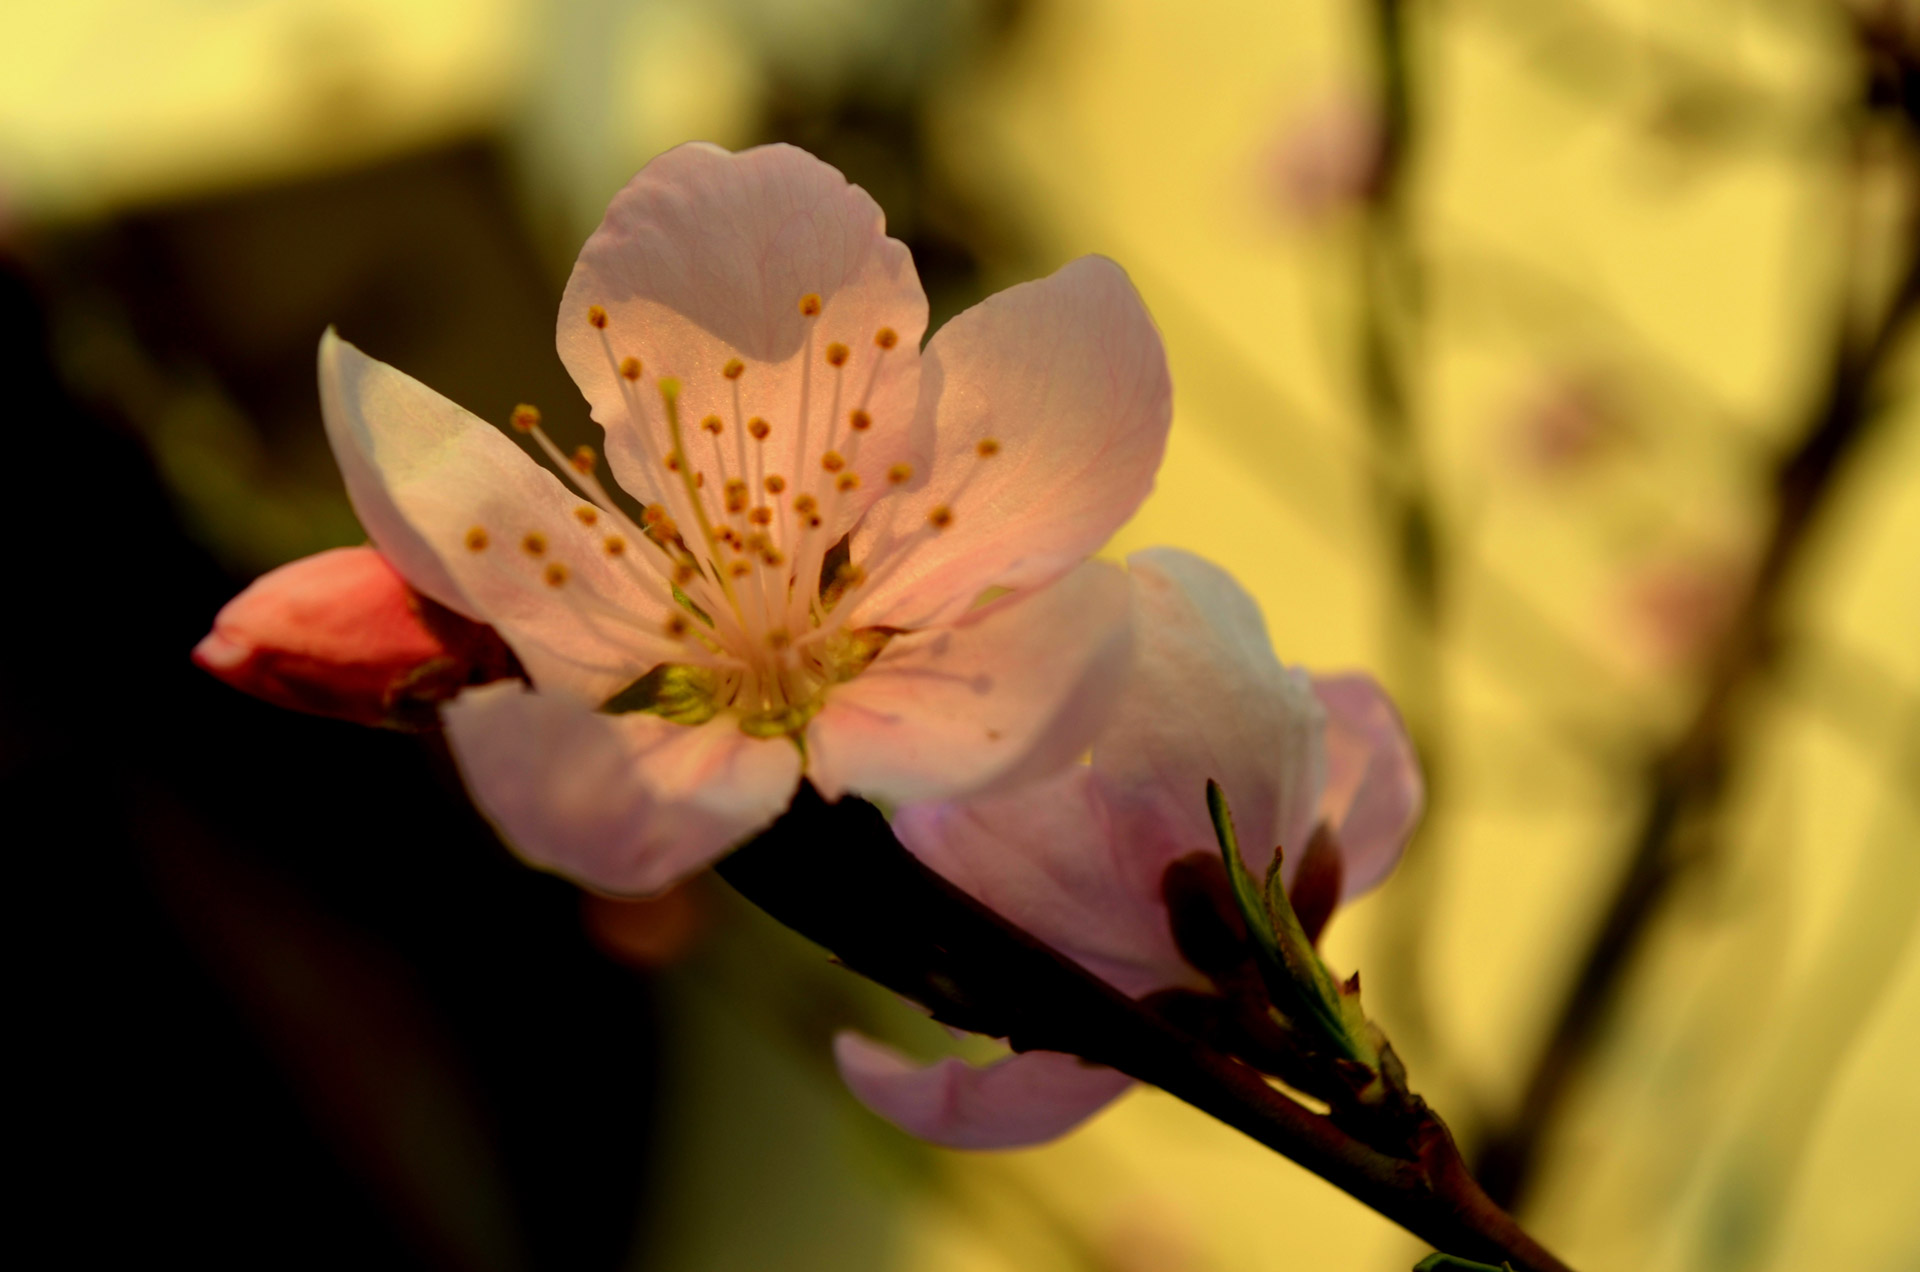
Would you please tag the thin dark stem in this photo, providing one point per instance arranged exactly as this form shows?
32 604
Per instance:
1687 780
836 874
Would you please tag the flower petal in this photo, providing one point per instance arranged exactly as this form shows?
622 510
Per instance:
704 257
1207 699
1042 857
628 803
1015 691
424 474
341 634
1067 376
1374 792
1025 1099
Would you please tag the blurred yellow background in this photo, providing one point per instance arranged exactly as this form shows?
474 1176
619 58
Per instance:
1633 230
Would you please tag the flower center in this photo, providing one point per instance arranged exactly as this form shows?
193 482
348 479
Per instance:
744 557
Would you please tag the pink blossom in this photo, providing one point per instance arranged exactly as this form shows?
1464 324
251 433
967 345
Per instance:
341 634
1078 859
826 506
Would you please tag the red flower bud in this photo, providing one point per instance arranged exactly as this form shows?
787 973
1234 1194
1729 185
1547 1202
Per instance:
341 634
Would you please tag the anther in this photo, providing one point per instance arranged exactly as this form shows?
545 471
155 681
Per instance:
535 543
759 428
847 481
526 418
712 425
886 337
900 474
699 479
832 461
477 539
941 517
847 574
736 496
673 462
761 516
556 574
584 459
805 505
775 483
837 354
684 573
778 639
597 316
733 368
773 557
630 368
810 304
586 515
987 448
740 569
675 626
859 420
614 545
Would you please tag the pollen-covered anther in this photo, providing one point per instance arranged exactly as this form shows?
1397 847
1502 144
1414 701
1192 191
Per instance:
810 305
712 425
685 572
556 574
774 483
900 474
673 462
773 558
733 369
614 545
832 461
778 639
597 316
526 418
847 574
987 448
739 569
859 421
535 544
805 505
586 514
940 517
675 626
737 496
630 368
759 428
583 459
886 337
477 539
847 481
699 479
761 516
837 354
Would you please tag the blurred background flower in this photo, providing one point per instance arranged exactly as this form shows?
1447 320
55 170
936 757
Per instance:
1549 360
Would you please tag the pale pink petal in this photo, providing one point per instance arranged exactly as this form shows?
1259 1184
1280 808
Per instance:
704 257
1374 791
1013 1103
425 474
1207 699
1068 377
341 634
623 803
1013 692
1043 858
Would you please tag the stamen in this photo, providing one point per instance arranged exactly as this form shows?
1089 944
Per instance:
987 448
597 316
586 514
859 420
775 483
535 543
900 474
733 368
684 573
832 462
761 516
630 368
778 639
940 517
810 305
712 425
837 354
737 495
526 418
886 337
759 428
805 505
583 459
614 545
846 482
556 574
477 539
675 626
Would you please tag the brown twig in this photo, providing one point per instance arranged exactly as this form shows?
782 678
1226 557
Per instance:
836 874
1687 780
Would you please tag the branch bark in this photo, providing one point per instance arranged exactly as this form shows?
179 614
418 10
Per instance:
837 875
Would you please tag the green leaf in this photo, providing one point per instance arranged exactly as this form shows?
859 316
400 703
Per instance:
1452 1263
684 695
